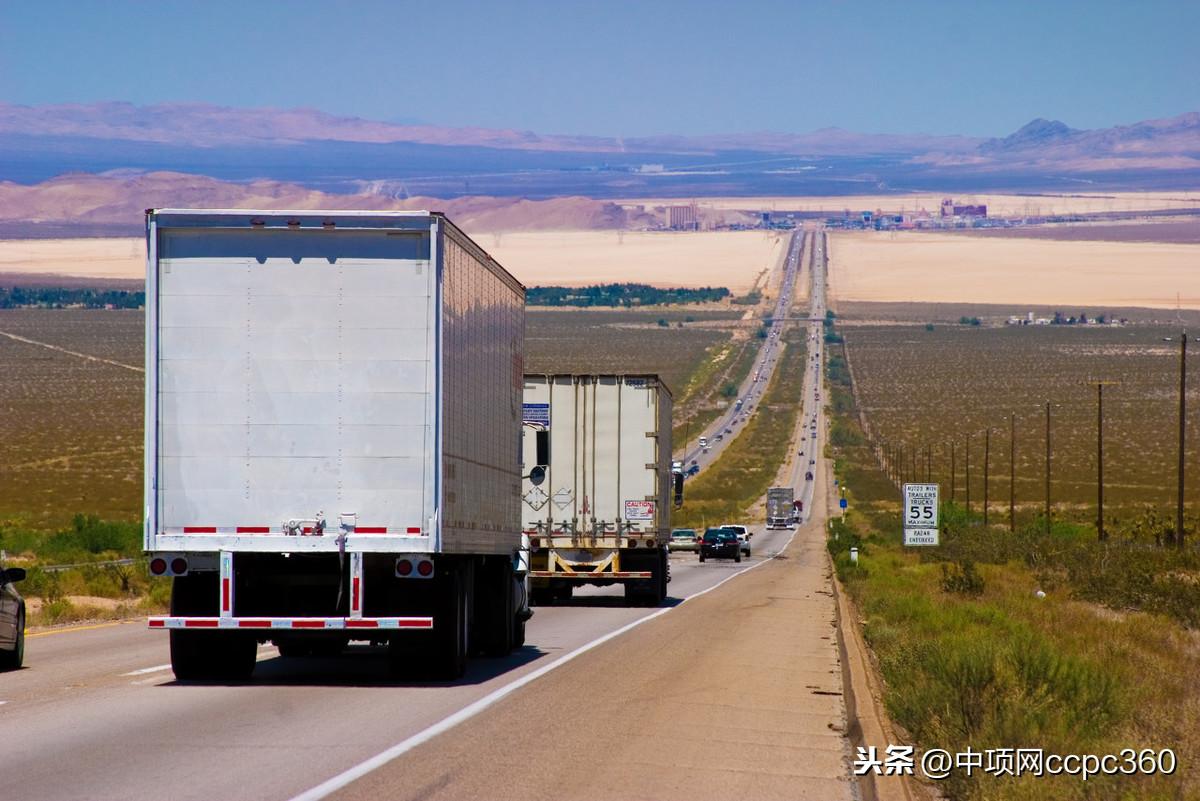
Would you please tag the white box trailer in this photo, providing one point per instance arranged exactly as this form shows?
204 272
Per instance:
597 495
331 437
781 508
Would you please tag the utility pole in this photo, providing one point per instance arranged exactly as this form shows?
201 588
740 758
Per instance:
1182 437
987 456
968 474
1047 467
953 470
1100 533
1012 473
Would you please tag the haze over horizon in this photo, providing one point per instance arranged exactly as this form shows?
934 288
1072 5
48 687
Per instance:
621 69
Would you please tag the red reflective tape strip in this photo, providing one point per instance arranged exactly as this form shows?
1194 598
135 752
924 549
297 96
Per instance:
425 623
158 624
199 529
253 529
225 595
254 624
372 530
354 593
362 624
200 624
308 624
414 530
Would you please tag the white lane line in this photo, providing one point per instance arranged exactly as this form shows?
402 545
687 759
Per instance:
263 651
339 781
144 671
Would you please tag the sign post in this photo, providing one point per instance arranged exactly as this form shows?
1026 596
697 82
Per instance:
920 514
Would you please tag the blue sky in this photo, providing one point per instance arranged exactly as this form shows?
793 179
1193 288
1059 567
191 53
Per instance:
618 68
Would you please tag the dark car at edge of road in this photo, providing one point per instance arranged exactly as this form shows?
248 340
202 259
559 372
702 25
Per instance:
720 543
12 619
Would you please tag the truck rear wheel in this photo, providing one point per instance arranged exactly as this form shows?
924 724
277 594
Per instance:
447 654
209 656
206 655
494 608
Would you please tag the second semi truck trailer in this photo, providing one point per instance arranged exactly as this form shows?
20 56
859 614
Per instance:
598 484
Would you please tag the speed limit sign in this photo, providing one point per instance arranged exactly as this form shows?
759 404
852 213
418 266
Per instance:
921 506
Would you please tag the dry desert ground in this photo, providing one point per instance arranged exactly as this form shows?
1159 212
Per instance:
944 268
998 204
83 258
733 259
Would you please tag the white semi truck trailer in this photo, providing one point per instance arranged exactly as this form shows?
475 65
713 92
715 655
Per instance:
599 484
333 409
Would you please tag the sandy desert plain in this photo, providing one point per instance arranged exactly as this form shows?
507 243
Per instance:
733 259
951 268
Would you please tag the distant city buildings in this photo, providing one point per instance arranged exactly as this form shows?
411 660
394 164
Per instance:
681 218
950 210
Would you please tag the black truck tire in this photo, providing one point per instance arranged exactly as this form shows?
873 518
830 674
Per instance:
446 656
494 608
207 655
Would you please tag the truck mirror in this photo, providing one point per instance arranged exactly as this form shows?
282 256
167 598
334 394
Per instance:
678 489
537 475
542 439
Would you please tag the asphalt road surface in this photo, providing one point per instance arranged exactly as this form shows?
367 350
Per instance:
731 689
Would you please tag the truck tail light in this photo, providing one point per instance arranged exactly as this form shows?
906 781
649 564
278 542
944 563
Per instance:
158 566
179 566
420 567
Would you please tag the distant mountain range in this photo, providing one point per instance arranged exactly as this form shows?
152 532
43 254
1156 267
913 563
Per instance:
203 125
100 164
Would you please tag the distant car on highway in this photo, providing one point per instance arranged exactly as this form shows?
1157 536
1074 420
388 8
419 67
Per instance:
12 619
808 476
684 539
704 442
743 534
694 469
720 543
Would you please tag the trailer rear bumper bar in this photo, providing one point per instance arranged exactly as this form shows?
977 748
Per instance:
608 574
291 623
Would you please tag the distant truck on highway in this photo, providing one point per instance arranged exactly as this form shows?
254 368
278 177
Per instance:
780 508
331 442
598 484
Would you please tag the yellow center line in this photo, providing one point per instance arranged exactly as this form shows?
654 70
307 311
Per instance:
75 628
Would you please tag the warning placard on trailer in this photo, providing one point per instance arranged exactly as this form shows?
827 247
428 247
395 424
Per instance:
921 506
639 510
537 413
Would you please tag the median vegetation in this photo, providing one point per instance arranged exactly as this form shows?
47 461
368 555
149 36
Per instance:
92 570
727 489
622 295
1024 639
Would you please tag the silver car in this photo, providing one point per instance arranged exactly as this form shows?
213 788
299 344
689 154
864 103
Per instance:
684 539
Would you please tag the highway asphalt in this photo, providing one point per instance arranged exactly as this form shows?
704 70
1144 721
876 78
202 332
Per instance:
97 715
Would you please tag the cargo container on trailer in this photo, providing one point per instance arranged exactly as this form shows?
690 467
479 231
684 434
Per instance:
780 508
333 409
599 486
